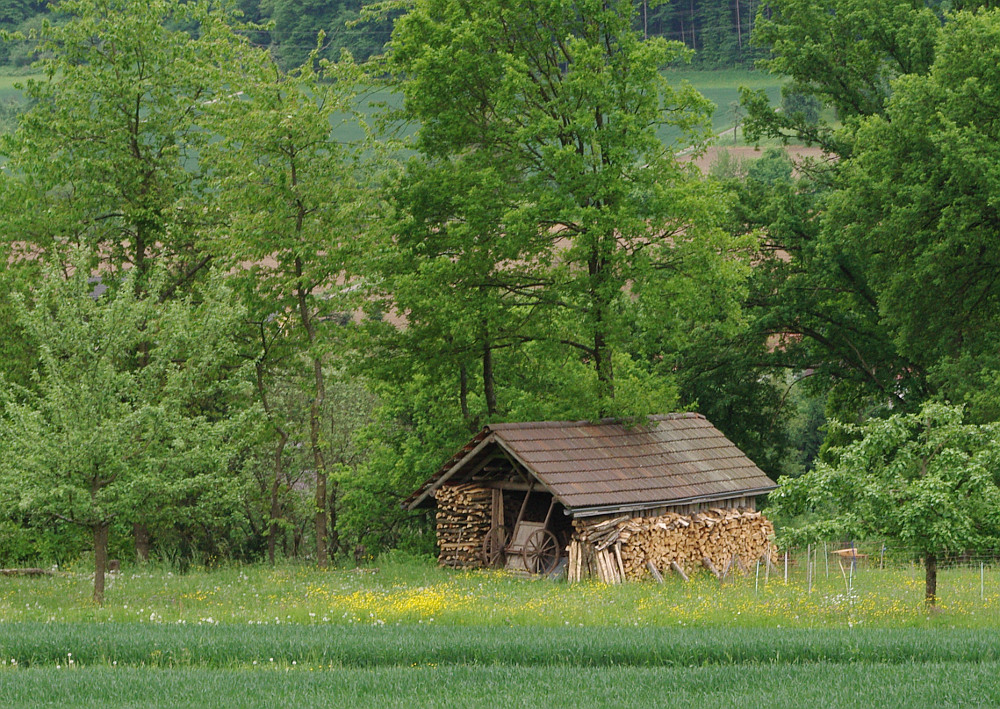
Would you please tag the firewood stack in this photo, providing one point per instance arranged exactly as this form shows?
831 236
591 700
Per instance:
722 541
463 519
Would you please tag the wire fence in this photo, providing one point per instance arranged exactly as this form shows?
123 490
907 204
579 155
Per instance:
851 563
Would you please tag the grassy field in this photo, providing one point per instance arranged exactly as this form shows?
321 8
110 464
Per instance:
409 633
721 87
406 591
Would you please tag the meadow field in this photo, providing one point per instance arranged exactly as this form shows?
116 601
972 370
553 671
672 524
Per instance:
406 633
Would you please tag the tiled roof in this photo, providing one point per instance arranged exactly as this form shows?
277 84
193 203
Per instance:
675 458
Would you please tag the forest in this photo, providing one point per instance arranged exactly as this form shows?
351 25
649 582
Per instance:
718 30
257 289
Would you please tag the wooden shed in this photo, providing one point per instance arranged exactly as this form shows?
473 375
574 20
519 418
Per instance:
638 500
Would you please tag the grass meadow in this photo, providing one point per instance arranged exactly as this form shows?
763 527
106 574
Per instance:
408 633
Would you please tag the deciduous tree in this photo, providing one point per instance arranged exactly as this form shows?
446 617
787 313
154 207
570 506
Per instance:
926 481
102 440
569 203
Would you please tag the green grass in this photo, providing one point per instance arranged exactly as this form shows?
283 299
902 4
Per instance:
228 647
408 592
827 685
8 79
412 634
723 88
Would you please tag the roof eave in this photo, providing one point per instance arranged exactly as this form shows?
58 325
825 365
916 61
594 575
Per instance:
638 507
433 484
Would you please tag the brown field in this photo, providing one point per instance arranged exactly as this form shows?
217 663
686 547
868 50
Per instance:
747 152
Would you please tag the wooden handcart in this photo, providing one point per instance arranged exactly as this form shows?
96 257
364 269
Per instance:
531 547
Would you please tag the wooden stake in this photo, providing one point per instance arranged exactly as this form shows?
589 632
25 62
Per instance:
707 563
680 572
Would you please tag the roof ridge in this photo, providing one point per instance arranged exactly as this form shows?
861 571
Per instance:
603 422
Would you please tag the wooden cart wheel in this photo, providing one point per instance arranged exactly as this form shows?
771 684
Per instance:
495 548
541 552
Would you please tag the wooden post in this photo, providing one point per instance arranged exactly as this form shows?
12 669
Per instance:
654 571
728 566
707 563
680 572
786 566
740 565
809 580
756 579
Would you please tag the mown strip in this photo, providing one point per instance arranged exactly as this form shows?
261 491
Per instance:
228 646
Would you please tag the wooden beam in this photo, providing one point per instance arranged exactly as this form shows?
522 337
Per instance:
514 485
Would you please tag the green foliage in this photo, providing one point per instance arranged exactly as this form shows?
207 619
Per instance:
295 202
547 222
842 52
771 168
803 108
919 207
105 155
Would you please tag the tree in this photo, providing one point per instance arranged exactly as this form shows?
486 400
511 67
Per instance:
107 155
844 53
924 480
566 202
919 207
813 302
296 207
102 440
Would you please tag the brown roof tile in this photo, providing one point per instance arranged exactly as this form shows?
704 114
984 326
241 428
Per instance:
585 465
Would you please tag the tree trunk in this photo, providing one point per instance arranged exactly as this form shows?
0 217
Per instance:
463 397
275 513
315 416
489 384
334 534
100 560
930 579
739 29
141 534
600 307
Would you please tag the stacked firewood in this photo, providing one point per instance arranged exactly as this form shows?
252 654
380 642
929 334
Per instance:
463 519
722 541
